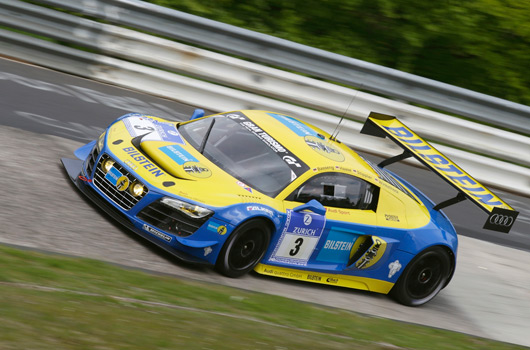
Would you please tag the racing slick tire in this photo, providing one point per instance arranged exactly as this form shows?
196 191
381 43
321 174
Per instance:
423 278
244 249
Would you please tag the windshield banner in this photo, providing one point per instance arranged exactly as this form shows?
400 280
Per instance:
295 164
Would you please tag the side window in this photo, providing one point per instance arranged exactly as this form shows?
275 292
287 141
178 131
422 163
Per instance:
337 190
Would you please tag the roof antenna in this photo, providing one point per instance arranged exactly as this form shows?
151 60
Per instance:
337 129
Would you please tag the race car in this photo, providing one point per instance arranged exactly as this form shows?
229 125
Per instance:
257 190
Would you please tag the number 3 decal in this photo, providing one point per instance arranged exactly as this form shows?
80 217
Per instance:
148 128
299 238
296 248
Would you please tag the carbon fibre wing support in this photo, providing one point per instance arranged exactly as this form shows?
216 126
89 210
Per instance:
501 216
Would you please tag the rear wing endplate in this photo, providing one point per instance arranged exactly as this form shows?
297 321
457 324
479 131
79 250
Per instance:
501 215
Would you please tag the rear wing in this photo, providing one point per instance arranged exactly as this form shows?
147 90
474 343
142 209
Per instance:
501 215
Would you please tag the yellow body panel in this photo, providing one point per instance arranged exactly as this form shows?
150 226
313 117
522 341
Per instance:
206 190
209 184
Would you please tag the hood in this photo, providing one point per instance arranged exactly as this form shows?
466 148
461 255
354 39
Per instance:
155 151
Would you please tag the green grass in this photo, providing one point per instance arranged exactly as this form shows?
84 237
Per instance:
55 302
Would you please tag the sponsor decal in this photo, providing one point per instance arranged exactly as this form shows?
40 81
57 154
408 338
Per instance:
338 211
178 154
138 125
501 220
304 231
207 251
113 175
295 164
297 127
337 247
143 161
291 161
260 208
189 163
299 238
314 278
197 170
246 187
221 230
217 227
324 168
393 268
324 148
449 170
373 254
84 179
123 183
130 164
213 226
157 233
389 217
153 129
280 273
341 168
363 174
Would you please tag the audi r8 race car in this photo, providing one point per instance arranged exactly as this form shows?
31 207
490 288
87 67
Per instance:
256 190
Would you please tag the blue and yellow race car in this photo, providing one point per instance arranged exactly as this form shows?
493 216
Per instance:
257 190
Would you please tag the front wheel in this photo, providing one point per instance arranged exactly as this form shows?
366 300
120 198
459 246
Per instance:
244 249
423 278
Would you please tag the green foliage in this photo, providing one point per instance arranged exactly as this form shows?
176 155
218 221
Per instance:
482 45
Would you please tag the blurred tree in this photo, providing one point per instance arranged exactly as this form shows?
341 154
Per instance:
482 45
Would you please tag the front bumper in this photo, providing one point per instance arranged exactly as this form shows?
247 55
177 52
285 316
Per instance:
74 168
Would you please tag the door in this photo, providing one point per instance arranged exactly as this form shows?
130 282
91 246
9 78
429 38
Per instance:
324 218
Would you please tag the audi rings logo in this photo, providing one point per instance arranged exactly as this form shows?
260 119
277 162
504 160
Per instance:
501 220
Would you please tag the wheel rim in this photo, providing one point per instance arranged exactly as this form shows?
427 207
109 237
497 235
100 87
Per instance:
425 277
247 250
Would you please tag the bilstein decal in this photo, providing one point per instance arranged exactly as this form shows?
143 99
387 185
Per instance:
143 161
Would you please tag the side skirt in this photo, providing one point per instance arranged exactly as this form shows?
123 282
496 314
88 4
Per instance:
355 282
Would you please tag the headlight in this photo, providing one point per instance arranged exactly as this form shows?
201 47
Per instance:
191 210
136 189
107 165
101 140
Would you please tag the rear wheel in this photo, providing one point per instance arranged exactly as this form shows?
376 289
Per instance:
423 278
244 249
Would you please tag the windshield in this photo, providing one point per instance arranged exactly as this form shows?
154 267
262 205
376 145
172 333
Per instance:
239 147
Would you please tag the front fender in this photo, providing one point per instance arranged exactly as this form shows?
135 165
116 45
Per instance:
236 214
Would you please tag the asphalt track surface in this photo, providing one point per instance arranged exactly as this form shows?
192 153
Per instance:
46 115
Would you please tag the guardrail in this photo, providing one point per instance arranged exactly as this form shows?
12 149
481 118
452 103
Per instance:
302 91
267 49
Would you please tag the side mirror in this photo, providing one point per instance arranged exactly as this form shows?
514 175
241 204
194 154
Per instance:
198 113
313 205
